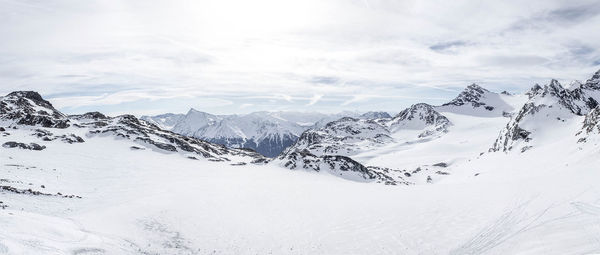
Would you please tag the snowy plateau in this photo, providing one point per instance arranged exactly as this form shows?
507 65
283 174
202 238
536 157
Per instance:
485 173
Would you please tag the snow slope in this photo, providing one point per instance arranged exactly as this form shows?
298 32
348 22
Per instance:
143 202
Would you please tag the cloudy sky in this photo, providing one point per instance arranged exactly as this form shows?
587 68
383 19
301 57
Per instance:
237 56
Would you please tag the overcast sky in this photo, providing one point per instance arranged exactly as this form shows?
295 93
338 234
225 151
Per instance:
237 56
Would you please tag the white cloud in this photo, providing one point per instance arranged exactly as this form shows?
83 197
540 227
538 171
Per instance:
107 52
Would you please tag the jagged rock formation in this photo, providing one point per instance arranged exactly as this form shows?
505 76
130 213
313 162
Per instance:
29 108
593 83
590 126
592 121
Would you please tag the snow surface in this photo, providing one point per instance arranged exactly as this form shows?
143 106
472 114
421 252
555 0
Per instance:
143 202
103 197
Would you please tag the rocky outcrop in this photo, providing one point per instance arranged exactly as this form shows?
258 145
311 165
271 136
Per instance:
341 166
29 108
46 135
31 146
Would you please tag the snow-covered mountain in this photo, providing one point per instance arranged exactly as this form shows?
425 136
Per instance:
269 133
478 101
27 113
469 181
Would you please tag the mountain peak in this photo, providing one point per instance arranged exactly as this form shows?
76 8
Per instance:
32 95
27 94
472 95
420 116
474 86
416 110
555 84
534 90
29 108
594 82
193 111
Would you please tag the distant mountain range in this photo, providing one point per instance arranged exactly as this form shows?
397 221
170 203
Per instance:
414 146
268 133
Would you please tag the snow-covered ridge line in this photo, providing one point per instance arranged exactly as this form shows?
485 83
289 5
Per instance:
28 110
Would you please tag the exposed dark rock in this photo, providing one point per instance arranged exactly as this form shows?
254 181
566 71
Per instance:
163 146
339 165
33 192
46 135
441 164
31 146
71 138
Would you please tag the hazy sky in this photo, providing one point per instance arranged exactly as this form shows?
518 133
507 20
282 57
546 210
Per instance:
235 56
